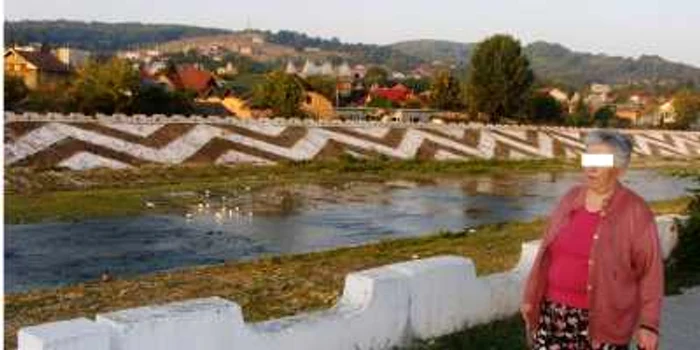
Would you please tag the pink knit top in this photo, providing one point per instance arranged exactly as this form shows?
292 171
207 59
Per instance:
570 257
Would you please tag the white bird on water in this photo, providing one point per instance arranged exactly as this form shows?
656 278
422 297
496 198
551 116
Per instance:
150 204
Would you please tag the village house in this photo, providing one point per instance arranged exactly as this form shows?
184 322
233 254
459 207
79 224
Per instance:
190 78
73 58
229 69
36 68
311 69
667 112
559 95
398 94
359 71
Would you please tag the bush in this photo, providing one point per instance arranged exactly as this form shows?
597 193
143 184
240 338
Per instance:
15 91
683 267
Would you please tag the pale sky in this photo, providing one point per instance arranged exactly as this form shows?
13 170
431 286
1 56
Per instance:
669 28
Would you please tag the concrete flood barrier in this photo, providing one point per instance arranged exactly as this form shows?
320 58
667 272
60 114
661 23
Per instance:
379 308
80 142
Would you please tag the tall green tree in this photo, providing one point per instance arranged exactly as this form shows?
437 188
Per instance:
500 78
543 108
446 92
105 87
376 75
686 104
281 92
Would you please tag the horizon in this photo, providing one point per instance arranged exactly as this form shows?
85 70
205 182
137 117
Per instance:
648 24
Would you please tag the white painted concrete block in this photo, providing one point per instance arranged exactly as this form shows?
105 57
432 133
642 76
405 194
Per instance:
668 232
77 334
206 324
445 295
371 314
528 254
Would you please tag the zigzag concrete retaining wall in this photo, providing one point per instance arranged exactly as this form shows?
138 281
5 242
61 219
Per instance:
379 308
82 142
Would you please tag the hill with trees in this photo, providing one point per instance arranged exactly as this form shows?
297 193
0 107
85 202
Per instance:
99 36
557 63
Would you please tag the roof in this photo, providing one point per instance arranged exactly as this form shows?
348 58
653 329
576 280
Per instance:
398 93
42 60
191 78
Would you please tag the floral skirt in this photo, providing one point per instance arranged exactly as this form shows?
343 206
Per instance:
563 327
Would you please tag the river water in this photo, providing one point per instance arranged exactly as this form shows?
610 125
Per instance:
245 224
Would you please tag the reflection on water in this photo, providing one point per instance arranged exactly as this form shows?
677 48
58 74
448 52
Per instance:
243 224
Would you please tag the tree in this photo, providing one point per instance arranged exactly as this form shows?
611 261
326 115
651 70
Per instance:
686 104
417 85
580 116
15 91
500 78
323 85
604 117
52 98
150 99
381 102
104 88
544 108
376 75
282 93
446 92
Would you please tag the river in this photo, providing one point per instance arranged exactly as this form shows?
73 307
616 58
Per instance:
275 220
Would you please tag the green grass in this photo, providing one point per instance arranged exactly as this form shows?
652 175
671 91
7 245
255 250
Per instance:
273 287
506 334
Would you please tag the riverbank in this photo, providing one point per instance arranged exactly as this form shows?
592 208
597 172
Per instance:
35 196
273 287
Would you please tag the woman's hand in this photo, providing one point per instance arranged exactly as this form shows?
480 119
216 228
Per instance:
525 311
647 340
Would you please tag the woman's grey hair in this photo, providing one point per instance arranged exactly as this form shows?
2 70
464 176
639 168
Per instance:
621 144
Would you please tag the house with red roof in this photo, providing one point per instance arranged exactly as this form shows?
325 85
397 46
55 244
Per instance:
190 78
398 94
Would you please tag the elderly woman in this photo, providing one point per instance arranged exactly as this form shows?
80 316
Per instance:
597 280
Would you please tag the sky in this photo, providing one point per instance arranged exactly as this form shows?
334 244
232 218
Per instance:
668 28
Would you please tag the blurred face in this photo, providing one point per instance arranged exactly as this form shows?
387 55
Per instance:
601 179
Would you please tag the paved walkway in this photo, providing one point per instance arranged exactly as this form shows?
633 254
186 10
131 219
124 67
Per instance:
680 321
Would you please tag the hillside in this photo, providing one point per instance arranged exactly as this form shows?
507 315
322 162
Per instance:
436 50
558 63
99 36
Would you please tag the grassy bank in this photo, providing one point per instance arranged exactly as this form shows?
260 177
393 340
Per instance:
276 286
33 196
